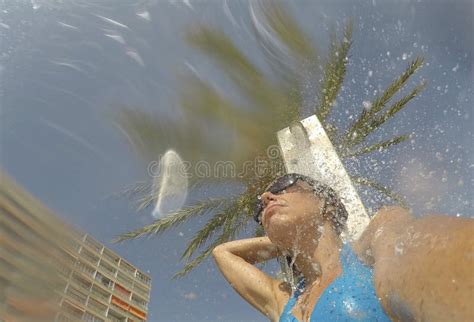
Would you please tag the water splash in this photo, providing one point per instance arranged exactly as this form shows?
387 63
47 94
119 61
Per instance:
144 15
112 22
133 54
170 185
117 37
68 26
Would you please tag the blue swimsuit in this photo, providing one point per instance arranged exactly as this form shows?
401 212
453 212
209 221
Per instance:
350 297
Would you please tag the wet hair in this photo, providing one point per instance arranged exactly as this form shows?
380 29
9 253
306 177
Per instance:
337 217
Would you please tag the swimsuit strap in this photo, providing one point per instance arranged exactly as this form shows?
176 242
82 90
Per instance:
286 315
350 297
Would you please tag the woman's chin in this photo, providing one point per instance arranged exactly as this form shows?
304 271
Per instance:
281 236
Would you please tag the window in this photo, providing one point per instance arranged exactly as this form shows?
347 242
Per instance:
89 256
76 295
81 282
115 316
99 293
92 243
89 317
104 280
71 309
107 268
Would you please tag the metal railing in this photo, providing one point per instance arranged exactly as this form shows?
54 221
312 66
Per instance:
76 295
143 278
80 283
97 306
94 259
84 268
107 268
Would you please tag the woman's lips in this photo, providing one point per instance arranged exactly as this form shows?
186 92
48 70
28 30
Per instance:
271 207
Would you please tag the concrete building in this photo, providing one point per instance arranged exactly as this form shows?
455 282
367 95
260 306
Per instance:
50 271
100 285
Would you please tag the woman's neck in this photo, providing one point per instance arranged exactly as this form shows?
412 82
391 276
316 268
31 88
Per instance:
318 259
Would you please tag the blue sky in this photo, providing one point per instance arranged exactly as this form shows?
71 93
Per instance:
61 77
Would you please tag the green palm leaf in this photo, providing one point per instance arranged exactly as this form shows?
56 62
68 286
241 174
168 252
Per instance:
377 147
289 33
361 128
381 188
230 230
174 219
334 73
244 74
219 219
375 123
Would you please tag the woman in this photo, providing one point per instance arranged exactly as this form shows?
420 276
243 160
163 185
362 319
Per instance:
303 220
423 268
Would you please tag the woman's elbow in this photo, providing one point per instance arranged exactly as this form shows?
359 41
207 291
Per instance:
218 248
218 251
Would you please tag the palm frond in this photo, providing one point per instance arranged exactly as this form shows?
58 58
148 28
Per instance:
231 229
150 135
334 72
245 75
204 101
141 192
377 147
200 100
147 199
287 69
381 188
377 121
131 190
173 219
209 229
289 33
259 231
380 102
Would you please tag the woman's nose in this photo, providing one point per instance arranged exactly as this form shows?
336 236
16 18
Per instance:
267 196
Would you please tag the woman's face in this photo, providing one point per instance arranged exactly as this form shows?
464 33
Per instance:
291 214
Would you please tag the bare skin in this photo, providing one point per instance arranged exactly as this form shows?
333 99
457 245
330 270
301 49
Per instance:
288 218
423 269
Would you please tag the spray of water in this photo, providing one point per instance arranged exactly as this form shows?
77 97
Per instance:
170 185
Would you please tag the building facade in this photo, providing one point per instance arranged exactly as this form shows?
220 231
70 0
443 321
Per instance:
50 271
100 285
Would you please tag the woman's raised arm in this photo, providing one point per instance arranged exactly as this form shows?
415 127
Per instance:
235 260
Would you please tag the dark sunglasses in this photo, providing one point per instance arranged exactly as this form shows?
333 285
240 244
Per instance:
282 183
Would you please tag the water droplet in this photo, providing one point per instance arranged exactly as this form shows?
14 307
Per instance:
367 105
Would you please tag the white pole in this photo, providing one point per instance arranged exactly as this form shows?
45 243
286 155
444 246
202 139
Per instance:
307 150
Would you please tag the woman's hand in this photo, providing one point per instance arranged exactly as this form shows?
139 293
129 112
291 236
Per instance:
252 250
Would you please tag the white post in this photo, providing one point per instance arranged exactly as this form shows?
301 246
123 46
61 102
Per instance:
307 150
